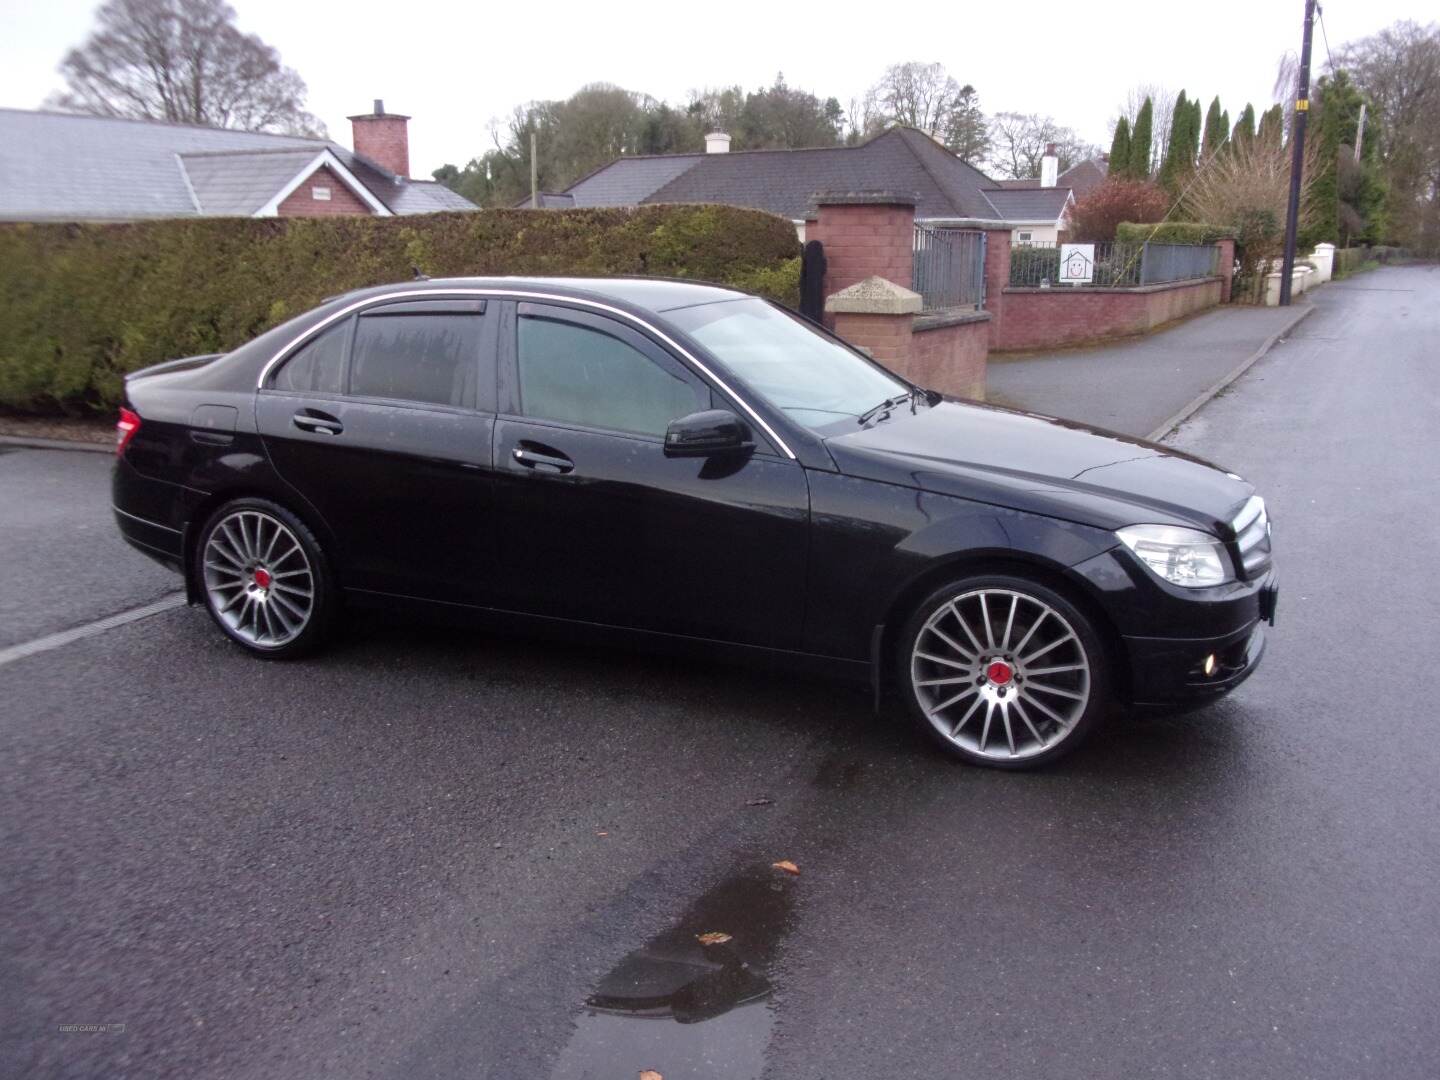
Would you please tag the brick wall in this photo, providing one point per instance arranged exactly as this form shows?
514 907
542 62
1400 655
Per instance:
950 357
1047 318
302 203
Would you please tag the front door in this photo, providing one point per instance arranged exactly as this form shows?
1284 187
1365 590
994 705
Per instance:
595 523
384 424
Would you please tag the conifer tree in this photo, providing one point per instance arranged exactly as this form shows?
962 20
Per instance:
1120 148
1244 131
1140 142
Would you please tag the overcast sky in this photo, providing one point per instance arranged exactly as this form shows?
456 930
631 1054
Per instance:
455 66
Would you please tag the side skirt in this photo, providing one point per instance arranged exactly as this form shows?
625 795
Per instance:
649 640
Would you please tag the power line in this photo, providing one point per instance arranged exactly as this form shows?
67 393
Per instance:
1325 37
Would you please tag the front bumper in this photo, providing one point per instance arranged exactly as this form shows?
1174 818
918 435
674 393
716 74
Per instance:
1168 632
1171 671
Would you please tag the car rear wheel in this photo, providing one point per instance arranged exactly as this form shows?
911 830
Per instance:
1002 671
264 577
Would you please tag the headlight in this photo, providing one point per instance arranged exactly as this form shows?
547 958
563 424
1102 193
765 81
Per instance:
1186 557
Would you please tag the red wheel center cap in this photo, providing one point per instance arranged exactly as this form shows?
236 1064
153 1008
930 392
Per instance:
999 672
262 577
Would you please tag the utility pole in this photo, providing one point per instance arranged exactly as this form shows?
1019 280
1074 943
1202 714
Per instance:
535 170
1297 136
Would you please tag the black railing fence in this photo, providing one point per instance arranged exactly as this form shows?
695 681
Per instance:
949 267
1110 264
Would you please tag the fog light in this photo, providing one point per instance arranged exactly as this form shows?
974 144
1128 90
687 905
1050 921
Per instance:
1210 664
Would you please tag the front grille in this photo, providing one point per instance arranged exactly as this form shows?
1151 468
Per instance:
1252 537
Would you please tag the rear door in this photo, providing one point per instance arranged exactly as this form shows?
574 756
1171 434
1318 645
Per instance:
384 423
595 523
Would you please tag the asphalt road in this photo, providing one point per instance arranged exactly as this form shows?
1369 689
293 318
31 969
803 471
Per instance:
435 853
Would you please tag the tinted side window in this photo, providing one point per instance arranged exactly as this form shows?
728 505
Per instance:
318 366
426 358
582 376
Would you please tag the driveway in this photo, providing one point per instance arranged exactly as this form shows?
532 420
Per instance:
432 853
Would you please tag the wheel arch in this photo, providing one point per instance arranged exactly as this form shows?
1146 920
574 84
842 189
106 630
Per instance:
201 511
1019 564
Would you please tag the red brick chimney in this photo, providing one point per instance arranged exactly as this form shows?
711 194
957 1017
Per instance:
384 138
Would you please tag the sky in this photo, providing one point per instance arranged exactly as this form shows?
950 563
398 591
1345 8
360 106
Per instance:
455 67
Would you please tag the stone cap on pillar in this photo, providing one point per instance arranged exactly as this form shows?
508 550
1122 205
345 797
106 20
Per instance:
874 296
860 198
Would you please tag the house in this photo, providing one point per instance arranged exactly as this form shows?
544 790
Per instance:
947 191
64 167
1037 207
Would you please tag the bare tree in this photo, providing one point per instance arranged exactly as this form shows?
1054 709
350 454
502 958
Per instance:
183 61
1398 69
1018 142
1163 111
927 97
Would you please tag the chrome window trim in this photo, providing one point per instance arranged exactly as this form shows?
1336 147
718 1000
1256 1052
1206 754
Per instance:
518 294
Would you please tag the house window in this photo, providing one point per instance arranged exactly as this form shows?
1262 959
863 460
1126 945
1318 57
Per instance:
320 194
1023 237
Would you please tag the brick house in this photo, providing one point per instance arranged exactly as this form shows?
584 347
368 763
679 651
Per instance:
63 167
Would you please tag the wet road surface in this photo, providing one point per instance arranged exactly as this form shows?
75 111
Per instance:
438 853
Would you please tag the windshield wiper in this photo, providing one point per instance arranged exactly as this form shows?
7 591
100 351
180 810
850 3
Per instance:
885 406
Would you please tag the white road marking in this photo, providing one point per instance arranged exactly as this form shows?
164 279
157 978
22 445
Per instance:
99 626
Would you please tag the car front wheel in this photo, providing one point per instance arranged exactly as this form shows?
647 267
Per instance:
1002 671
265 580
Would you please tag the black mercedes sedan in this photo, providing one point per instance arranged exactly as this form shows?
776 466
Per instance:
663 461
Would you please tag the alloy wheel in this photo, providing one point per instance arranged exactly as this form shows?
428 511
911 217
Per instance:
258 579
1000 674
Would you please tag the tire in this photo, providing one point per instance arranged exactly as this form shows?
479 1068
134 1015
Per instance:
265 581
1020 695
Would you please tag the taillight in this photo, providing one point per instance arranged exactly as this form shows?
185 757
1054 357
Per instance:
125 429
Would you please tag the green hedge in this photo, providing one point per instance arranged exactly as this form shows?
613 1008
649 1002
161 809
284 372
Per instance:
1172 232
81 305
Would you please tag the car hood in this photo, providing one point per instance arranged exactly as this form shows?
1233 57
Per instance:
1044 465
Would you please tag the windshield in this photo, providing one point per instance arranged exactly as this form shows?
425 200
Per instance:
815 380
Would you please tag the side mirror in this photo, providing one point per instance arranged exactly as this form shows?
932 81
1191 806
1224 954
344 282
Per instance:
702 434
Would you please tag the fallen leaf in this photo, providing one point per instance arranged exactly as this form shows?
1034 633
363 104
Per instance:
650 1074
714 937
788 866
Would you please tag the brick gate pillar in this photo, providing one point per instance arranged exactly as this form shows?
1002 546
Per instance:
997 280
1226 259
878 316
866 234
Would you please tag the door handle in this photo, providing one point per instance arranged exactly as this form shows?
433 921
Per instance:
318 422
538 459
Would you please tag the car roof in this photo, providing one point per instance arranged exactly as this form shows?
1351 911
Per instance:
654 295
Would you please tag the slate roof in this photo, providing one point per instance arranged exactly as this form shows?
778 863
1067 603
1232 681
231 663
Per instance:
1085 176
238 183
784 182
62 167
630 180
1031 204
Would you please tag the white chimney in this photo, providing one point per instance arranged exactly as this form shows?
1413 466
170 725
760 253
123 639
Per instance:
1049 166
717 142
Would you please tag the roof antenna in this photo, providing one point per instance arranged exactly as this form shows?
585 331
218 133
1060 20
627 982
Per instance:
416 274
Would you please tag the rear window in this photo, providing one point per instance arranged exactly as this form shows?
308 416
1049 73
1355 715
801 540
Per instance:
432 359
319 366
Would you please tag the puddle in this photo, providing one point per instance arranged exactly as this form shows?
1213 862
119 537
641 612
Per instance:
684 1009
